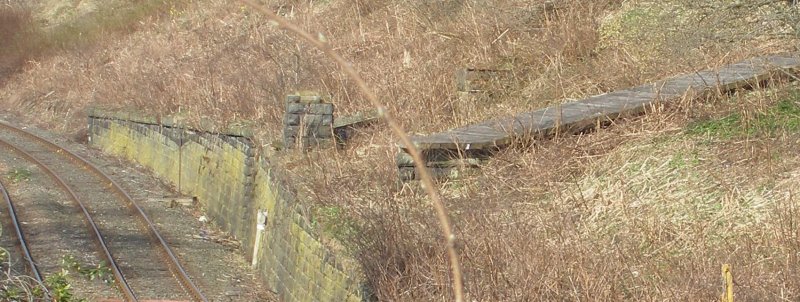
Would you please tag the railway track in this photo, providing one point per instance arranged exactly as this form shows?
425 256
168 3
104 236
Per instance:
34 269
127 241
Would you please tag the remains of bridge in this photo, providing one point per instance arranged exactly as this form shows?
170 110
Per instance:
451 151
249 199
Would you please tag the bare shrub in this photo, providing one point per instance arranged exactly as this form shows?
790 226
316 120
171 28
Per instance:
15 24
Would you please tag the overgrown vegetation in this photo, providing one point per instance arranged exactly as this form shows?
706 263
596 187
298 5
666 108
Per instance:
99 272
17 287
17 175
15 22
646 210
27 39
782 117
59 288
12 287
333 221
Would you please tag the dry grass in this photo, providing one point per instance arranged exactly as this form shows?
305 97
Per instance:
15 19
646 210
15 285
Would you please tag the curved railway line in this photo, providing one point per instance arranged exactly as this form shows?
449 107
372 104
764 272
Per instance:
131 259
37 275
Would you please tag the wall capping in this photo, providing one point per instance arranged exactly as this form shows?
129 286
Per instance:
173 121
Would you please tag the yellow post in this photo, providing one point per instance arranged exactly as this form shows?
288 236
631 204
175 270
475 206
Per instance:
727 283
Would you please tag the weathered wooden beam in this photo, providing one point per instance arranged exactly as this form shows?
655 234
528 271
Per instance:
580 115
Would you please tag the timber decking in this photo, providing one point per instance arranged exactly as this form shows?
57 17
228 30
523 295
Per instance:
584 113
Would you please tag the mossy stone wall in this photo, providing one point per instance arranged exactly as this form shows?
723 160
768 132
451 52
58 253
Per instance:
233 184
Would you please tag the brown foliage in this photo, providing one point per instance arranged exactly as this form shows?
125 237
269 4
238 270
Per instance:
536 224
15 22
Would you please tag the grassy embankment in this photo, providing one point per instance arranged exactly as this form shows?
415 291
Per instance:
648 209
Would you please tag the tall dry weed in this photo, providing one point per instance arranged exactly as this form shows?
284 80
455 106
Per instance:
15 22
568 219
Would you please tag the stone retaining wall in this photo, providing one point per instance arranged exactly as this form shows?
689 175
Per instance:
234 184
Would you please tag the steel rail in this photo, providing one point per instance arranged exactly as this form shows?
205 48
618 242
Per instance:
174 264
120 279
12 211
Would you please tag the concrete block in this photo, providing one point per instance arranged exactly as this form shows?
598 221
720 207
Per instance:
289 142
312 120
404 159
359 119
292 99
327 120
230 140
190 137
290 133
310 99
292 119
249 161
295 108
296 131
324 133
320 109
247 188
250 150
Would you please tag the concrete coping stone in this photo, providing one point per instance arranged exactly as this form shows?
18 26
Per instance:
357 119
241 129
126 115
304 99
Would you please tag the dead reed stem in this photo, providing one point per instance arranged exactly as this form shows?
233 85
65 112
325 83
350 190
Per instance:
427 180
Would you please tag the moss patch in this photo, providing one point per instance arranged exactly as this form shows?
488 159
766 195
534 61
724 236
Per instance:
781 118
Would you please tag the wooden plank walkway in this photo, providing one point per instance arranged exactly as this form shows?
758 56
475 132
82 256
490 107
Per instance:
578 115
